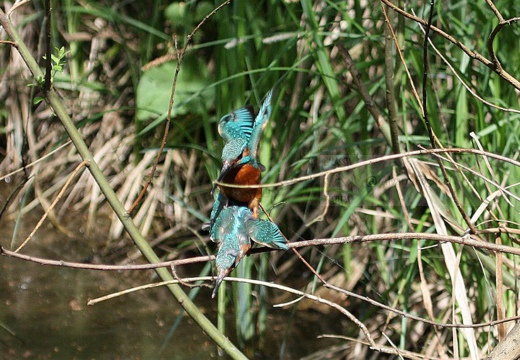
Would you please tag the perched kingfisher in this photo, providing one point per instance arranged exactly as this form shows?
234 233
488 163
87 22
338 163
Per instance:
230 231
234 218
233 230
245 169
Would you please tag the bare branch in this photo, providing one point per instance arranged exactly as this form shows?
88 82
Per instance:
294 245
375 161
473 54
308 296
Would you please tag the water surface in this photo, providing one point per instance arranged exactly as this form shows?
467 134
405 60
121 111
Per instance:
44 312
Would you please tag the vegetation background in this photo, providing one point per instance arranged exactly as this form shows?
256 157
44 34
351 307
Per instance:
353 85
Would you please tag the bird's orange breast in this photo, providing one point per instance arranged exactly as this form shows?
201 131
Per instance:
243 175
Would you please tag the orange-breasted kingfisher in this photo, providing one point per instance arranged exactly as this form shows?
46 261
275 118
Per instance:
245 169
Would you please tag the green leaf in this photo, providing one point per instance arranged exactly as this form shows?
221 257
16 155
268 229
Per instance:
155 86
37 100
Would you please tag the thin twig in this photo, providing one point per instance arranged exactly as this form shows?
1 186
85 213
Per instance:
491 39
486 180
494 32
384 349
471 53
40 159
463 83
375 161
248 281
321 216
302 259
7 42
12 195
180 58
308 296
105 267
16 5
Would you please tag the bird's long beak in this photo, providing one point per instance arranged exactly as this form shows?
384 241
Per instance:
225 167
221 275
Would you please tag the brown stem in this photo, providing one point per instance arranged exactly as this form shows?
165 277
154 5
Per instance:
180 58
473 54
48 47
294 245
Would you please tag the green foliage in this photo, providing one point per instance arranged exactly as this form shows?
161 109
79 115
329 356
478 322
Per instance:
58 61
320 122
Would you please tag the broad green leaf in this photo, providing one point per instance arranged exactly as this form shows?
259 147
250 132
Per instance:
155 86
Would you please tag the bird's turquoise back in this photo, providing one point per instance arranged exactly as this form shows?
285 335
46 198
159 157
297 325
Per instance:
231 220
227 252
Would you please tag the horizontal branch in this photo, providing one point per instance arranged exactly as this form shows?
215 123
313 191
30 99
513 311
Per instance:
105 267
375 161
463 240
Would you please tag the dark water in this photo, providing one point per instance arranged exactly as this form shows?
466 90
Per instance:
44 312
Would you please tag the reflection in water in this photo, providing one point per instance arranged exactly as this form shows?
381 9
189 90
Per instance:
43 311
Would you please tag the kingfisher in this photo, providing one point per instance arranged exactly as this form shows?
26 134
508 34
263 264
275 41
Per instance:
233 230
235 128
245 169
230 231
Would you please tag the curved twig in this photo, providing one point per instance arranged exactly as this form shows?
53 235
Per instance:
473 54
491 39
302 294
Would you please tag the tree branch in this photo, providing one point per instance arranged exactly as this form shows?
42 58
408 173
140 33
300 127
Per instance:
463 240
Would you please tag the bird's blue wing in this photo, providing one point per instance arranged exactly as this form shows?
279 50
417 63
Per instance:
266 233
243 118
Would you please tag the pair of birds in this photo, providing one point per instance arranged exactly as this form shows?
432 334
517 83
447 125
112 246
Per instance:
234 220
